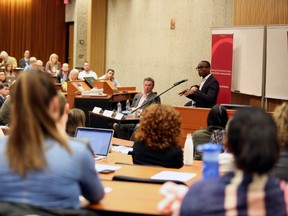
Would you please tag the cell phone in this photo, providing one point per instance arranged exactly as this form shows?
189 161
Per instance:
106 171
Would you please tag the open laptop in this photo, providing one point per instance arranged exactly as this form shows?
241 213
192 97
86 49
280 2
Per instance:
100 140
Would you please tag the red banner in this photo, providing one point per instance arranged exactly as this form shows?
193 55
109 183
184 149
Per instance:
221 65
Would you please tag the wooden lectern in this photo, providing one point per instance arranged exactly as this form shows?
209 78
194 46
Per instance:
75 88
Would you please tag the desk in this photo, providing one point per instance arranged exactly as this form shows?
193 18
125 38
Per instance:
129 198
99 121
194 119
134 198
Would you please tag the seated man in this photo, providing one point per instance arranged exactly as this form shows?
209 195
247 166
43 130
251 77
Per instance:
140 101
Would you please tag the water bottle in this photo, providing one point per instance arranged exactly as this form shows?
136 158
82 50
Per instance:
188 150
210 157
127 105
119 107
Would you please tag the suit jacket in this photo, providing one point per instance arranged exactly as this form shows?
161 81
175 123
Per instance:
152 98
207 96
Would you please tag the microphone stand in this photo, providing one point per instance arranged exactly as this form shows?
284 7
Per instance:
149 101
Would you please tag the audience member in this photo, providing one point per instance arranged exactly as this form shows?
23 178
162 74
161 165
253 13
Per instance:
73 75
252 139
87 72
2 77
8 69
53 66
4 92
63 75
39 65
25 60
109 75
281 118
6 59
31 153
76 118
206 94
32 66
142 100
157 138
216 120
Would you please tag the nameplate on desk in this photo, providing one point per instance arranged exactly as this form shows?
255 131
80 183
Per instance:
107 113
119 116
97 110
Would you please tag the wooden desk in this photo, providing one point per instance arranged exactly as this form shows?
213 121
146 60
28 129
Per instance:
194 119
129 198
99 121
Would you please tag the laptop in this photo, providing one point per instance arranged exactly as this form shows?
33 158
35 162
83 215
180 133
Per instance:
100 140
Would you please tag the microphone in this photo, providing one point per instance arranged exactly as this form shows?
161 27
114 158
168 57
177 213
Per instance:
179 82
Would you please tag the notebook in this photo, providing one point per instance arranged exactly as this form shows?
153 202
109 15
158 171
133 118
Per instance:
100 140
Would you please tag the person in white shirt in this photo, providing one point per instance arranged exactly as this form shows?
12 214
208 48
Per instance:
87 72
109 75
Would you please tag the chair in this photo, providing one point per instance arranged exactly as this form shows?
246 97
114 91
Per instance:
144 180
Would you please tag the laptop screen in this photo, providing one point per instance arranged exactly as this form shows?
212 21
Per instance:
100 139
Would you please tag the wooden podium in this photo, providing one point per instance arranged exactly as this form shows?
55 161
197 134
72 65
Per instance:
108 101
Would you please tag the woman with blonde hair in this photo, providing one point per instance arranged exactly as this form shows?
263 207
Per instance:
40 166
281 117
53 66
157 138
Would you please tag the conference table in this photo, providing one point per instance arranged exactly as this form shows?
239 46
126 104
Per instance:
130 198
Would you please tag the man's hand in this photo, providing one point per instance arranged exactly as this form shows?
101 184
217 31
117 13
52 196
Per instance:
183 92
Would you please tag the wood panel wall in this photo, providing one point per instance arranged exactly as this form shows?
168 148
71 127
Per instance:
97 36
35 25
259 12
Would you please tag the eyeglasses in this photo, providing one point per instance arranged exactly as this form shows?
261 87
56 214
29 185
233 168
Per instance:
200 67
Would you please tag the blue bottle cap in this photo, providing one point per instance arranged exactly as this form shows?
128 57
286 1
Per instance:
209 147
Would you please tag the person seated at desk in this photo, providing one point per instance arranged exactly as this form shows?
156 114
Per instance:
142 100
216 121
4 92
8 69
157 138
23 62
249 190
32 66
76 118
63 75
53 66
87 72
206 94
73 75
280 115
40 166
6 59
109 75
39 65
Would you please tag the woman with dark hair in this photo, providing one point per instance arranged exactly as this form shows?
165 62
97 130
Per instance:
249 190
216 121
39 165
157 138
109 75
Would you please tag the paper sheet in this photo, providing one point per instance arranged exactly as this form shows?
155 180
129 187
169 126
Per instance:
100 167
122 149
170 175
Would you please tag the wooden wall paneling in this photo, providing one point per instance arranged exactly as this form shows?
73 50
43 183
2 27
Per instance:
97 36
38 26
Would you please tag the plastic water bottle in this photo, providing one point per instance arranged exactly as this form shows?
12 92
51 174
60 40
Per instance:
188 150
119 107
210 157
127 105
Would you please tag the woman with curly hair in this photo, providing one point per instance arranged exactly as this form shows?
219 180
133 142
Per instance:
281 118
157 138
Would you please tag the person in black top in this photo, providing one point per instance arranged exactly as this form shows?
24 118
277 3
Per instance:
206 94
157 138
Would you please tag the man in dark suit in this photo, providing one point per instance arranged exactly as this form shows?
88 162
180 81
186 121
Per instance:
206 94
140 102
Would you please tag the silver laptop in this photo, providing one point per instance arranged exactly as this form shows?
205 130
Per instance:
100 140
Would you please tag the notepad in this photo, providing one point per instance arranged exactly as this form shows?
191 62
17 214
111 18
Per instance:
100 167
170 175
